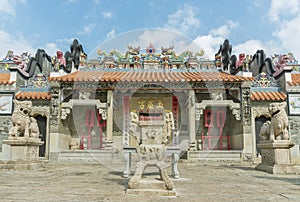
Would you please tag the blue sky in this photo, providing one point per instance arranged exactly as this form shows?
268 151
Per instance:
272 25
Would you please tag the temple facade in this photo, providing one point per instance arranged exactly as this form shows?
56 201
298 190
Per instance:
216 107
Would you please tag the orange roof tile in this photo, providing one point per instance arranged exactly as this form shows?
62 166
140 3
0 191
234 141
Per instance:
5 79
150 76
33 96
295 80
268 96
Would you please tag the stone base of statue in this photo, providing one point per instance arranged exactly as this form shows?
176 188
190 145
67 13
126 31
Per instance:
151 155
24 153
149 186
276 157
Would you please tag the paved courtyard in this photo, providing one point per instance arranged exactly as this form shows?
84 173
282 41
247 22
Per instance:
98 182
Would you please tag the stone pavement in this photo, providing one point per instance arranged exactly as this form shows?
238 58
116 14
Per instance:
98 182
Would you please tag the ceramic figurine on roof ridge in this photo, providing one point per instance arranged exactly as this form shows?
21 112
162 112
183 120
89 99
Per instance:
73 56
9 56
225 53
58 61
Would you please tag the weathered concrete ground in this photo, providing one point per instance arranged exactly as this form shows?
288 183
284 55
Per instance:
97 182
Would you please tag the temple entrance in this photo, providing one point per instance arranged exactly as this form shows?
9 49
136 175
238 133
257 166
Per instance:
214 136
142 104
258 124
42 124
93 134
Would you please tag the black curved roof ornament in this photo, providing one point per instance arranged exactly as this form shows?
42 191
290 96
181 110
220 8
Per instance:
27 71
266 63
73 56
225 53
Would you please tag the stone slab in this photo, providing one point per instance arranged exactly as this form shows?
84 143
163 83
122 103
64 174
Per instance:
21 165
151 192
278 168
151 186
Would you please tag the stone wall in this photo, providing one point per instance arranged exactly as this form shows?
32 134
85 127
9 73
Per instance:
5 123
294 122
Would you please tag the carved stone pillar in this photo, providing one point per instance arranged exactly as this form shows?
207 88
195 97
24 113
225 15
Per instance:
248 153
246 105
56 140
54 107
110 119
192 121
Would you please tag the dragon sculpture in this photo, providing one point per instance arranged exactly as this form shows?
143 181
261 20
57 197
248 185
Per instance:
259 59
27 65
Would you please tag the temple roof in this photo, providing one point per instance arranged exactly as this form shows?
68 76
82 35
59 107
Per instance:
33 96
150 76
295 80
268 96
5 79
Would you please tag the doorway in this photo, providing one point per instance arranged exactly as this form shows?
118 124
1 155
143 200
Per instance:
42 124
258 124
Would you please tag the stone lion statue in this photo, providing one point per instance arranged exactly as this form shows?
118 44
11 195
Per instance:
23 124
265 131
277 128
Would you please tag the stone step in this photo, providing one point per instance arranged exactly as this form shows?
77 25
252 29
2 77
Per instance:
86 155
152 192
215 155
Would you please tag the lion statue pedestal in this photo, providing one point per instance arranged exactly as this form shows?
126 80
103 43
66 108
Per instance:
275 144
23 139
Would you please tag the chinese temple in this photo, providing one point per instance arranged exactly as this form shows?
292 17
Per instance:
216 107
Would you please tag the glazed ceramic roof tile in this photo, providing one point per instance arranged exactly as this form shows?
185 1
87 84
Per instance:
295 80
33 96
268 96
5 79
150 76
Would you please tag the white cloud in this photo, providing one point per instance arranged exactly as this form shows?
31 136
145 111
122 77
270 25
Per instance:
87 29
210 44
281 8
289 35
107 14
51 49
66 40
224 30
8 6
16 44
111 34
183 20
286 16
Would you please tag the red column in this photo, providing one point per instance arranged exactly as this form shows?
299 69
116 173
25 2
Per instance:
101 123
175 110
